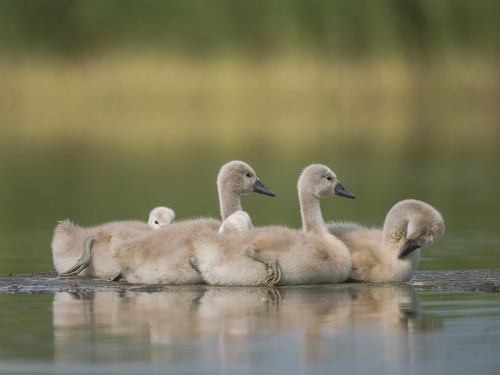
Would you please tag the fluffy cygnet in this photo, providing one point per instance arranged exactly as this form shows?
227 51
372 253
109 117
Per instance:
161 216
164 257
237 222
279 255
96 261
392 253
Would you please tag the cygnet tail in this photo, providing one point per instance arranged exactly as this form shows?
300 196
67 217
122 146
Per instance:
65 226
64 235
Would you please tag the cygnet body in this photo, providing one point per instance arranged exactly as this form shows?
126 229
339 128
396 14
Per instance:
69 241
308 256
164 257
391 254
237 222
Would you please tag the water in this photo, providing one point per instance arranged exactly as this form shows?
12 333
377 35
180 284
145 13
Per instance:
321 329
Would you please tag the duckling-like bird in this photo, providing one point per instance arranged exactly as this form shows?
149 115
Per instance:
164 257
279 255
160 217
237 222
391 254
69 239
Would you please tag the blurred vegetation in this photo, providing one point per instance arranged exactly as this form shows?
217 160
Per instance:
108 108
415 28
401 72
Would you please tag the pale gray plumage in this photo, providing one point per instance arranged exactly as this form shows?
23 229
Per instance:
69 239
237 222
310 256
392 253
164 257
161 216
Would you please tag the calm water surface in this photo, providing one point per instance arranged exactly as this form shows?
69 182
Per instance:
308 330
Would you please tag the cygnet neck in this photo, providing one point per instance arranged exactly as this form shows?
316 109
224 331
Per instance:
229 201
395 223
310 211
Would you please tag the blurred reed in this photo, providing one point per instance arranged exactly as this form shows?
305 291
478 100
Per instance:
152 103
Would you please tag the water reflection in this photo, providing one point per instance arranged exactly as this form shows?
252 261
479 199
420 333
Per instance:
242 327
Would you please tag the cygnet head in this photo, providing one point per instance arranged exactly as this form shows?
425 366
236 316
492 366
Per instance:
239 178
237 222
161 216
425 225
320 181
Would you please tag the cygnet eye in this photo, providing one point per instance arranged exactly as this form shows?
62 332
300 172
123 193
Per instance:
329 178
248 174
156 222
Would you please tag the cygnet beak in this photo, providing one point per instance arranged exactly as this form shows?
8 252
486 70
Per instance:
260 188
341 191
408 247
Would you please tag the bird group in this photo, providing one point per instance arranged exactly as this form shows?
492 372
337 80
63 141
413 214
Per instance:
232 252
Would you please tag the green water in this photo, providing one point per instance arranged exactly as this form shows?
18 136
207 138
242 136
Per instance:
386 329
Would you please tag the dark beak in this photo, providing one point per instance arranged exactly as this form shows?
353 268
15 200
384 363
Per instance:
260 188
343 192
408 247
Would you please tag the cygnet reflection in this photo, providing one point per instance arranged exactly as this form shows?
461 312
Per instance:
229 326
